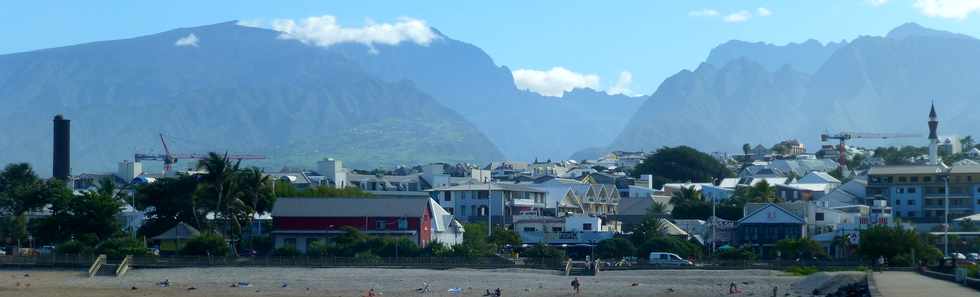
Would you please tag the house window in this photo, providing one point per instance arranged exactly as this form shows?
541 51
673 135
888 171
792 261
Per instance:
558 229
587 226
380 224
978 201
901 190
819 217
449 196
911 202
402 224
901 179
530 229
484 194
898 202
914 179
911 191
926 179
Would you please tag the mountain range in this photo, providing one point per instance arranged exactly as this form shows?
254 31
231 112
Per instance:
753 93
227 87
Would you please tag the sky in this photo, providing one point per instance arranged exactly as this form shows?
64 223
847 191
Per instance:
625 47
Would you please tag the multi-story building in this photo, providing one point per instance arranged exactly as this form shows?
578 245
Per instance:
498 201
917 192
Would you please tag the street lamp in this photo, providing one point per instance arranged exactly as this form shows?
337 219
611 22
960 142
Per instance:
945 176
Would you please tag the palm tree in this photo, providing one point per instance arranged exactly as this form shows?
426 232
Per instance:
219 181
657 208
685 196
254 193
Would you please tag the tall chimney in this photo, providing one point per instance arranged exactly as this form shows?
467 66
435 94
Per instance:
62 145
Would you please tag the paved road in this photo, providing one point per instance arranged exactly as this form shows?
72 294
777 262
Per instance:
911 284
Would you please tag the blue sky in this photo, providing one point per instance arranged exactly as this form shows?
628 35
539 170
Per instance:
649 39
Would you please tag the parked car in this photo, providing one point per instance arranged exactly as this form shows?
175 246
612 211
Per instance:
45 250
670 259
973 257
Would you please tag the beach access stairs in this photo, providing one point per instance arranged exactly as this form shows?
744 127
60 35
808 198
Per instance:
581 268
102 267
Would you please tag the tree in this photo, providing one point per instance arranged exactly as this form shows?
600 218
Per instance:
669 244
254 193
206 243
93 213
543 251
968 225
892 242
657 207
681 164
803 248
615 248
286 189
21 191
167 202
502 237
651 227
217 192
746 148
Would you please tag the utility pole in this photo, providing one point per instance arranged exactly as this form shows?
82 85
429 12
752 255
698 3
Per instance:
946 215
489 205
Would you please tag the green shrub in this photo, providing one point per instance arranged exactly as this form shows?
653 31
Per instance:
73 247
121 246
318 248
736 254
543 251
287 251
207 243
802 270
615 248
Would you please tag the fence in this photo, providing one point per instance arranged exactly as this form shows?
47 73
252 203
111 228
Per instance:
85 261
743 264
66 261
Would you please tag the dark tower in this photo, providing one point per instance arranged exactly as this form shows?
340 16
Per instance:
62 152
933 123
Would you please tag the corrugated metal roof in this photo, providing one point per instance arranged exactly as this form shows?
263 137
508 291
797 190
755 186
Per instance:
350 207
905 169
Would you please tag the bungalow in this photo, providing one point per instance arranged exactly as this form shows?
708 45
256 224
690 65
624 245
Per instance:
173 240
299 222
762 227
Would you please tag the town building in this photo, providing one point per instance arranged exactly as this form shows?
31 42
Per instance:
917 192
299 222
568 230
498 201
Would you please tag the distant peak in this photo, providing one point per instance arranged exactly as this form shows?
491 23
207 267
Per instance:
911 29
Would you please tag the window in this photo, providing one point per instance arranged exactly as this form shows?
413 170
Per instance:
911 191
926 179
555 229
484 194
530 229
898 202
901 190
380 224
978 201
449 196
914 179
819 217
402 224
911 202
901 179
911 214
969 178
587 226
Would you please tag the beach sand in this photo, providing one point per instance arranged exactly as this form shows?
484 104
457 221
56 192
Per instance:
351 282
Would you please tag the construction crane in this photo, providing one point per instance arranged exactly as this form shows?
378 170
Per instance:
843 137
169 159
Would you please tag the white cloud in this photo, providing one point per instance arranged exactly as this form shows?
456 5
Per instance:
878 2
763 12
704 13
554 82
948 9
738 16
189 40
325 31
622 85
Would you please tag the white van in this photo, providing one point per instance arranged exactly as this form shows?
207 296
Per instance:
668 259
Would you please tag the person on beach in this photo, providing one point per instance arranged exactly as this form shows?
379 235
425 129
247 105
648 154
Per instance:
576 285
732 288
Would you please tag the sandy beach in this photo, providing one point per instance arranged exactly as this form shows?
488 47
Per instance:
344 282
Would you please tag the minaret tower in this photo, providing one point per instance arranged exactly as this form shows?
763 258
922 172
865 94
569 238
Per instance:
933 137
